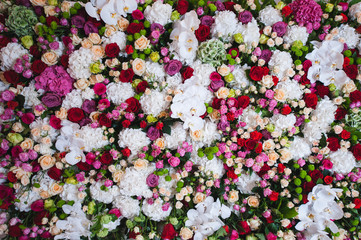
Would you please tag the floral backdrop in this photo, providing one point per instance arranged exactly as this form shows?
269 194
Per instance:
176 119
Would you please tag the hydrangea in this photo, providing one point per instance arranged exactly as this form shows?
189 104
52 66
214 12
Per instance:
280 63
296 33
349 36
79 63
158 13
134 139
225 24
128 206
269 16
343 161
212 52
119 37
307 13
119 92
155 210
153 103
9 54
21 20
93 138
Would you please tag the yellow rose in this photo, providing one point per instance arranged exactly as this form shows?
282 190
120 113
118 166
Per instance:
50 58
253 201
138 66
141 43
46 161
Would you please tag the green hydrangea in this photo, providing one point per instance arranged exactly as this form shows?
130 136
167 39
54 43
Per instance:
212 52
354 120
21 20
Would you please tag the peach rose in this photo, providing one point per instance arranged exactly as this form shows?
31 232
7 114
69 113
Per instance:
199 197
25 180
27 144
140 164
62 113
233 196
50 11
41 3
55 189
50 58
95 38
98 52
17 127
65 6
46 161
82 84
160 142
44 194
253 201
222 92
224 70
138 66
86 43
141 43
185 233
279 95
118 175
123 24
110 30
196 135
96 79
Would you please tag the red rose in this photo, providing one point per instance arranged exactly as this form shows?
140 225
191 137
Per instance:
315 175
344 18
143 124
345 134
182 6
28 118
104 120
322 91
243 101
34 50
159 125
168 232
126 123
240 142
12 104
129 49
356 150
38 66
346 62
55 122
231 174
355 96
55 173
328 179
126 75
75 115
11 177
83 166
4 41
250 144
351 71
286 110
310 100
202 33
257 73
135 27
245 228
258 148
126 152
304 80
307 186
286 11
230 116
64 60
187 73
106 158
281 168
256 135
216 103
37 206
11 77
15 231
274 196
229 5
275 80
142 86
333 144
133 105
112 50
264 170
340 113
39 216
357 202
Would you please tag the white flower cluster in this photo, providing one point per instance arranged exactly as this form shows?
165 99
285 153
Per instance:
177 137
250 33
154 102
158 13
105 197
343 161
355 12
128 206
348 35
134 139
79 63
9 54
155 211
319 212
280 63
119 92
154 71
119 37
269 15
291 90
296 33
31 95
225 25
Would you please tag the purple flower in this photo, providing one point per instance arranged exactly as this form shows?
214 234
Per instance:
7 95
89 106
89 27
51 100
245 17
152 180
266 55
220 6
307 13
207 20
55 79
216 84
78 21
280 28
153 133
173 67
25 3
157 26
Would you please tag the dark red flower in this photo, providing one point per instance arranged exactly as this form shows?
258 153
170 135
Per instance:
355 96
357 202
55 173
356 150
15 231
286 11
310 100
11 177
286 110
126 123
112 50
39 216
104 120
64 60
37 206
135 28
202 33
345 134
255 135
257 73
245 228
340 113
4 40
11 77
274 196
315 175
75 114
34 50
351 71
187 73
328 179
55 122
229 5
133 105
231 174
126 75
168 232
106 158
250 144
182 6
333 144
126 152
243 101
83 166
38 66
28 118
142 86
322 91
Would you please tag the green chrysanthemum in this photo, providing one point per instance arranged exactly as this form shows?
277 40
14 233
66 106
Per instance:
21 20
212 52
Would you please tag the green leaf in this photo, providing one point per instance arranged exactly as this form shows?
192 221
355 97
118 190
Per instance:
354 2
260 236
166 129
289 212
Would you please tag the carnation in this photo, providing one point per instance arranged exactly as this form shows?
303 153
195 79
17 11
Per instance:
173 81
300 148
158 13
93 138
9 54
225 23
119 37
280 62
119 92
154 210
154 103
79 63
343 161
128 206
296 33
134 182
134 139
269 16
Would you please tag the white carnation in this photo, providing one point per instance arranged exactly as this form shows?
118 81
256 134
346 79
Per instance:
102 196
79 63
296 33
154 211
225 24
134 182
280 62
246 182
269 16
134 139
9 54
128 206
154 102
119 37
93 138
158 13
177 137
117 93
343 161
300 148
348 35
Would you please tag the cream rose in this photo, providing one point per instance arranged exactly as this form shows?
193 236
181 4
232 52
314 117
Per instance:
82 84
253 201
233 196
279 95
50 58
55 189
196 135
62 113
49 10
98 52
86 43
41 3
185 233
27 144
118 176
222 92
140 164
224 70
123 24
95 38
65 6
199 197
46 161
110 30
17 127
141 43
138 66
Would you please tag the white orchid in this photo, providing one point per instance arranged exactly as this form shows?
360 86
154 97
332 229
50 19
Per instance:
205 220
110 10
